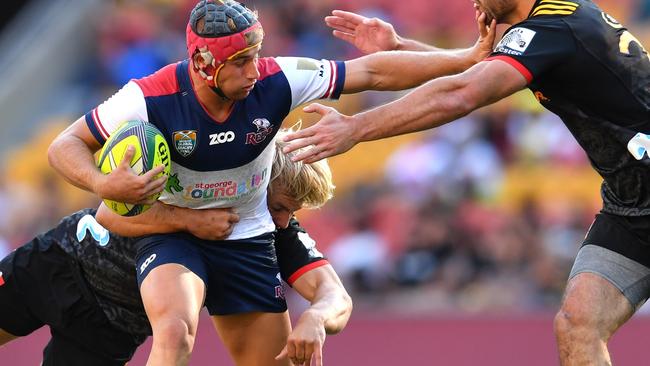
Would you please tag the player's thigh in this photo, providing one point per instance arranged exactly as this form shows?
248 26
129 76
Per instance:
605 288
171 292
254 338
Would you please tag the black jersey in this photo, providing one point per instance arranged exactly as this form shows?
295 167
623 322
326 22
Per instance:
591 71
107 262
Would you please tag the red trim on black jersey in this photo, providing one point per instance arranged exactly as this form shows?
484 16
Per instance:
514 63
162 82
301 271
267 66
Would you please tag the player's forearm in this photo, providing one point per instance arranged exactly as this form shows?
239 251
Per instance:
431 105
399 70
73 160
405 44
331 305
159 219
334 307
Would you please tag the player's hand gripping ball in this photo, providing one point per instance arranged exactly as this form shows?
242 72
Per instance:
151 150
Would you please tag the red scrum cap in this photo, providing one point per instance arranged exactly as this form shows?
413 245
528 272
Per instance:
218 31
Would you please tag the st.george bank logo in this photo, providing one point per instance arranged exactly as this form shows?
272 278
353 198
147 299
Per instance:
184 142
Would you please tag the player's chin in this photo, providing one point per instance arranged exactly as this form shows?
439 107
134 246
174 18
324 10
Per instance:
240 94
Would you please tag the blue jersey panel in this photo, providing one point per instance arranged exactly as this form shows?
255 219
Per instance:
200 143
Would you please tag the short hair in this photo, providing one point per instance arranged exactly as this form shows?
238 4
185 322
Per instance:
310 184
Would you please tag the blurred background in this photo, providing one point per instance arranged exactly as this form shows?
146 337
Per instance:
455 244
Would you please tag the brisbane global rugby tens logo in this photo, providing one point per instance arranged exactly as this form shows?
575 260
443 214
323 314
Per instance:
184 142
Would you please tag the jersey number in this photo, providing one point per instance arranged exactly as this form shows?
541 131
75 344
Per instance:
626 38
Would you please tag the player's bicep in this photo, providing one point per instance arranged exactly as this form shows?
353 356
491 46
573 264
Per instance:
490 81
79 130
296 252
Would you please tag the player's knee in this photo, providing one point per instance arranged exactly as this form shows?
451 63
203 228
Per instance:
174 334
573 318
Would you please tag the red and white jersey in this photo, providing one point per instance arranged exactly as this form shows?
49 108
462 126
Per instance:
220 163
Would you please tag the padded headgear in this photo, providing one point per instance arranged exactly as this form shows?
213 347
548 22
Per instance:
219 31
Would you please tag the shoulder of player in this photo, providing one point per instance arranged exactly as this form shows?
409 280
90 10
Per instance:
555 9
162 82
539 26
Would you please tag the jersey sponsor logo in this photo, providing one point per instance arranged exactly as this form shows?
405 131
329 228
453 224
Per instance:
97 231
220 138
184 142
224 190
279 289
147 262
264 129
311 65
516 41
639 145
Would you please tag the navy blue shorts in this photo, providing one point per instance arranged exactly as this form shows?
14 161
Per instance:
240 276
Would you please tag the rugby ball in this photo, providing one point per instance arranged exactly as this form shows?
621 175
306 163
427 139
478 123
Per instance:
151 150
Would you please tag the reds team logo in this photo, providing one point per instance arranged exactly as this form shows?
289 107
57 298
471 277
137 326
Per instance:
184 142
264 128
279 289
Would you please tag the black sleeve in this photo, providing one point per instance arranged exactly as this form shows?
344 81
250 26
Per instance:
535 46
296 252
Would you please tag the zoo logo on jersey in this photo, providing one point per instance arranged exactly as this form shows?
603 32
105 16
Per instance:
264 128
184 142
516 41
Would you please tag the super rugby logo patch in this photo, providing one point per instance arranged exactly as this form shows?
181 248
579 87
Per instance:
184 142
516 41
264 129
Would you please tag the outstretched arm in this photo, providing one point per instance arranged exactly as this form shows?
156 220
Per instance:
398 70
371 35
329 312
208 224
431 105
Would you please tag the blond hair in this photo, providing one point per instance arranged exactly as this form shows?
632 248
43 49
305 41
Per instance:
309 184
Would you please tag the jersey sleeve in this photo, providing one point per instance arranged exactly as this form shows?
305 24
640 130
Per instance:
296 251
125 105
532 47
311 79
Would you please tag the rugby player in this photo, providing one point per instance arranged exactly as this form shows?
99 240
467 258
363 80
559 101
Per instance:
221 109
79 278
586 67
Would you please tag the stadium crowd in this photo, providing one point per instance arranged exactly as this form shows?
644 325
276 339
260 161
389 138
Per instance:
474 219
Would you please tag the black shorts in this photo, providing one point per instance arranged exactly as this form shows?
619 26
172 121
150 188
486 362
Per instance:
41 285
625 235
